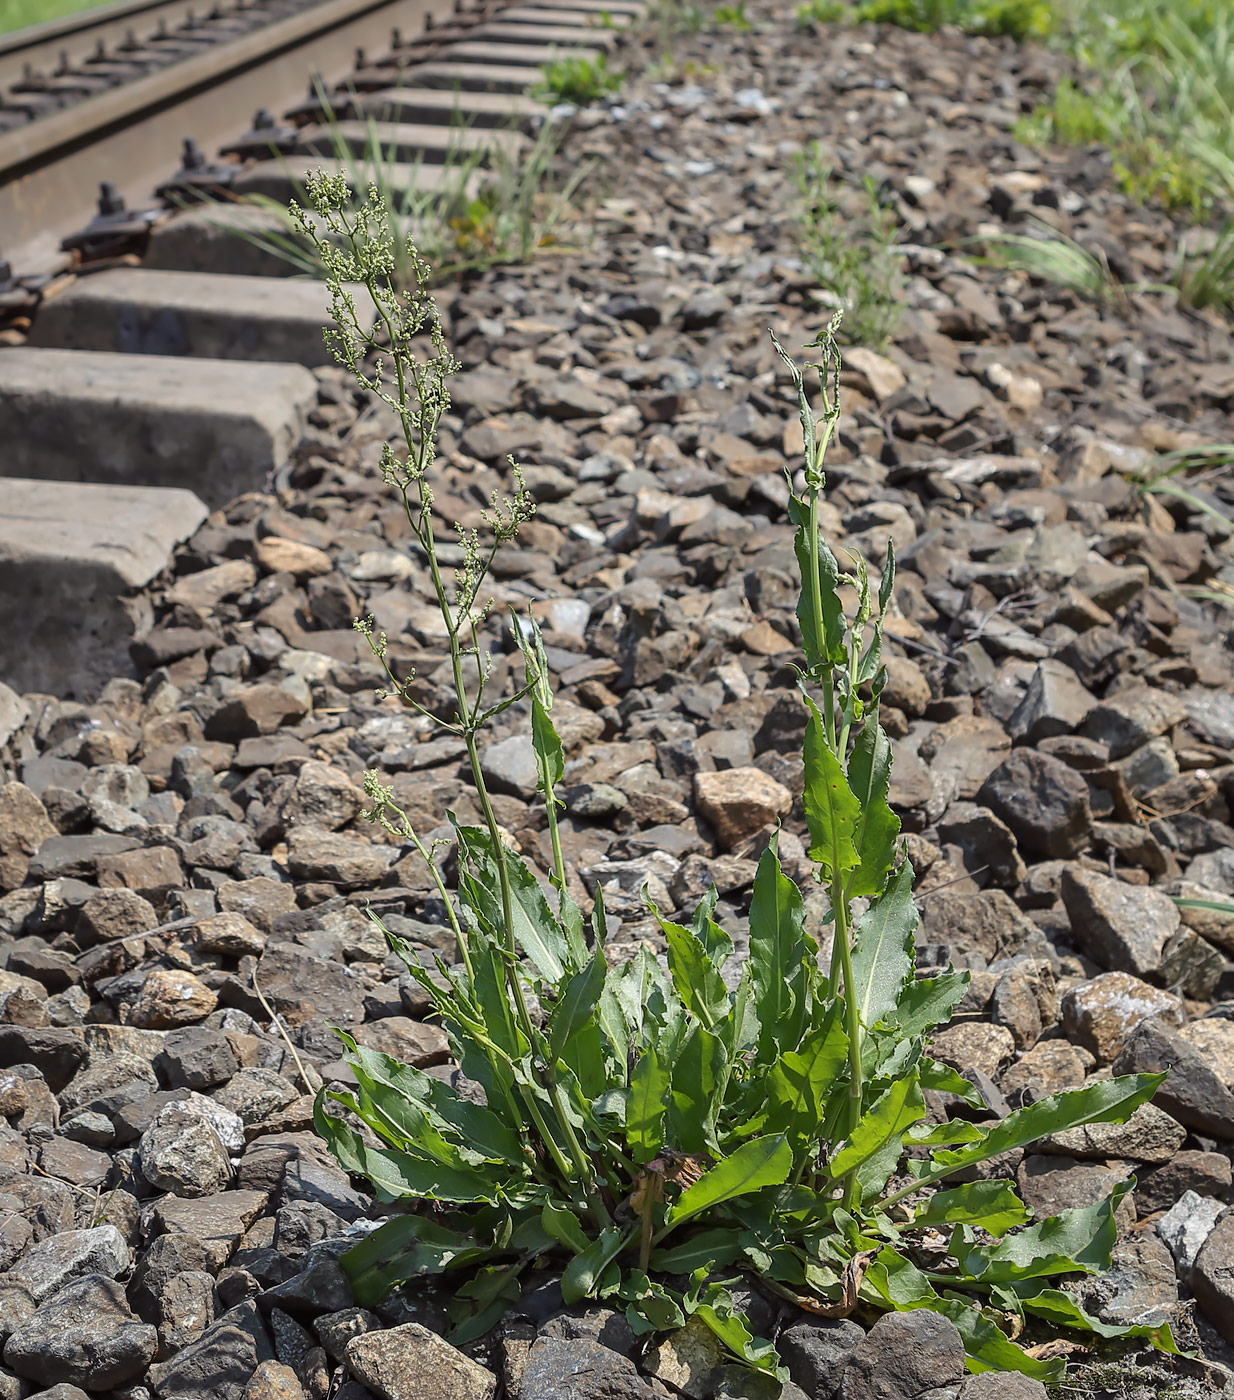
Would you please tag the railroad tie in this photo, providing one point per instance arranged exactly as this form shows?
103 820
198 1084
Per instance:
68 554
215 427
207 315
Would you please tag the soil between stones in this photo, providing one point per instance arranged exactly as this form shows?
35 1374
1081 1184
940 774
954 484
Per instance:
1061 703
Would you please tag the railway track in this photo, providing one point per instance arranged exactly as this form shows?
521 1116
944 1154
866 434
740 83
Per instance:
155 367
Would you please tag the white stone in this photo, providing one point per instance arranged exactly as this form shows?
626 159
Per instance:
1186 1225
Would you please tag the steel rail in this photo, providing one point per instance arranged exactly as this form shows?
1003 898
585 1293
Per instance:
41 45
50 169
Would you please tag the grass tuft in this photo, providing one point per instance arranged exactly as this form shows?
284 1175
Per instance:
475 217
856 261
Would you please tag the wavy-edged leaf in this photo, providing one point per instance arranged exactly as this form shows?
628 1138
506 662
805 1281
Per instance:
989 1348
764 1161
869 777
646 1106
899 1283
832 812
405 1248
475 1127
927 1002
883 949
720 1314
953 1132
887 1119
1063 1310
1108 1101
652 1308
583 1271
777 957
994 1205
537 930
1073 1241
398 1174
945 1080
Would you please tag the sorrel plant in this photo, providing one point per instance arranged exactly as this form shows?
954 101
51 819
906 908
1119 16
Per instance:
644 1129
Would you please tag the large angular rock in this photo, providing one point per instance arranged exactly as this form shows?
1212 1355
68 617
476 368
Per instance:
82 1335
412 1363
49 1266
1134 716
182 1152
1124 927
816 1351
904 1354
578 1370
24 826
1101 1014
1192 1094
740 802
350 862
219 1365
216 1223
1054 703
1043 801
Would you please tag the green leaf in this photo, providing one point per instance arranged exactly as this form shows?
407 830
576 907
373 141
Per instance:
1062 1309
1108 1101
994 1205
945 1080
989 1348
792 1097
706 1249
927 1002
576 1003
891 1115
697 1092
718 944
698 982
948 1134
721 1316
901 1284
832 811
1074 1241
764 1161
398 1173
473 1125
646 1106
583 1271
537 930
777 957
404 1248
869 776
887 583
819 599
565 1227
547 745
883 949
490 1294
654 1309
